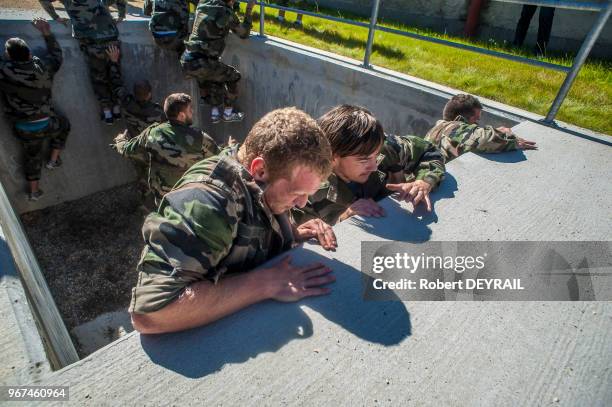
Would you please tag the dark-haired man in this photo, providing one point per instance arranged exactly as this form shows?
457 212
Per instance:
169 148
369 165
459 131
226 216
218 82
26 82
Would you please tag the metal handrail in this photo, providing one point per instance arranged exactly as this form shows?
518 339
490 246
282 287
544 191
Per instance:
603 7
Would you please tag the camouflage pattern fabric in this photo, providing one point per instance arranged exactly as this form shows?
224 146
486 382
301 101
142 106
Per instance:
90 19
213 21
26 89
169 148
26 86
138 114
213 222
33 144
217 81
457 137
169 23
411 156
99 70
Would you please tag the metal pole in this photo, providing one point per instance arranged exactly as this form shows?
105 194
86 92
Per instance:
585 49
262 15
373 20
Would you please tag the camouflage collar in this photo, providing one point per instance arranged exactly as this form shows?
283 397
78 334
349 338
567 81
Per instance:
461 119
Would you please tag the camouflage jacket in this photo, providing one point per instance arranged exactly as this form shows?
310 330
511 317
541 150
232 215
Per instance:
138 115
26 86
215 221
213 21
170 148
404 159
168 16
456 137
91 19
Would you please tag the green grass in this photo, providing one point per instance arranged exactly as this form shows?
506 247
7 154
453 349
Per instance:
589 103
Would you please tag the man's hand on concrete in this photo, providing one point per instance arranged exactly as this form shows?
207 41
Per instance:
320 230
523 144
113 53
363 207
415 192
42 25
289 283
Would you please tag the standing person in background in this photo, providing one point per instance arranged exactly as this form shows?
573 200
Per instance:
169 23
96 30
218 82
26 82
281 13
169 148
544 27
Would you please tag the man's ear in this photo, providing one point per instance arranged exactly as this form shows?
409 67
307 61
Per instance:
258 169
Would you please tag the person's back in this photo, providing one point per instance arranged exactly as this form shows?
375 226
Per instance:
459 132
169 23
90 19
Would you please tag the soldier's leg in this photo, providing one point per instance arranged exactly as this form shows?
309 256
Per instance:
523 24
545 27
33 157
58 130
97 64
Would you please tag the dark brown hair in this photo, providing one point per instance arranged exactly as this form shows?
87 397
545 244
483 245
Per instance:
17 50
285 138
352 130
142 89
461 105
176 103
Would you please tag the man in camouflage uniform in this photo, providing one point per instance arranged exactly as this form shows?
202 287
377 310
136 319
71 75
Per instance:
369 165
459 131
26 82
169 23
218 82
226 216
95 29
169 148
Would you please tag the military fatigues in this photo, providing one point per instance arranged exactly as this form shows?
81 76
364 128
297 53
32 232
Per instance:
26 87
169 23
201 60
415 157
215 221
456 137
170 148
94 28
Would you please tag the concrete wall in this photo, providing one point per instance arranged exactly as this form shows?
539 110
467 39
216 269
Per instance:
275 74
497 21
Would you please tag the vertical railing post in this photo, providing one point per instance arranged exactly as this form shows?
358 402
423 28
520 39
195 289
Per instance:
262 15
373 20
582 55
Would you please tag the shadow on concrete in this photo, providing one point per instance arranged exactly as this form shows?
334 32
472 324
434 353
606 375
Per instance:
410 226
268 326
508 157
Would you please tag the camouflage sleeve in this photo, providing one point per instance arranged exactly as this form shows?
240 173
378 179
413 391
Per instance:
414 156
119 91
243 29
193 231
121 8
484 140
54 58
147 7
209 147
135 147
48 7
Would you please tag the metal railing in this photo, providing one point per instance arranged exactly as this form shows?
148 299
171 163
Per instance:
604 9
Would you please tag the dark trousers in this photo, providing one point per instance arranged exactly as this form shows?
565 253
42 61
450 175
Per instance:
544 27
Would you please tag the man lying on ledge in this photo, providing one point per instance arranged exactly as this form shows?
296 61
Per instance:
226 216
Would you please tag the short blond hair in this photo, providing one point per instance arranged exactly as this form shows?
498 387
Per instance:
285 138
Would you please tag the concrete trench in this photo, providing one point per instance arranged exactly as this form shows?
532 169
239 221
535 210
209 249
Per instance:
276 74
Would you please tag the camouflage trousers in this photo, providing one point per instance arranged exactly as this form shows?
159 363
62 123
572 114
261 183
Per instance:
174 43
99 70
33 144
218 82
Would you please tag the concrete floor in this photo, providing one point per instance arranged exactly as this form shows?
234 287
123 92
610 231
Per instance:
342 350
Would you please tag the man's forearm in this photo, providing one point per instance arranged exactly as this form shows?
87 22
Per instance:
204 302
